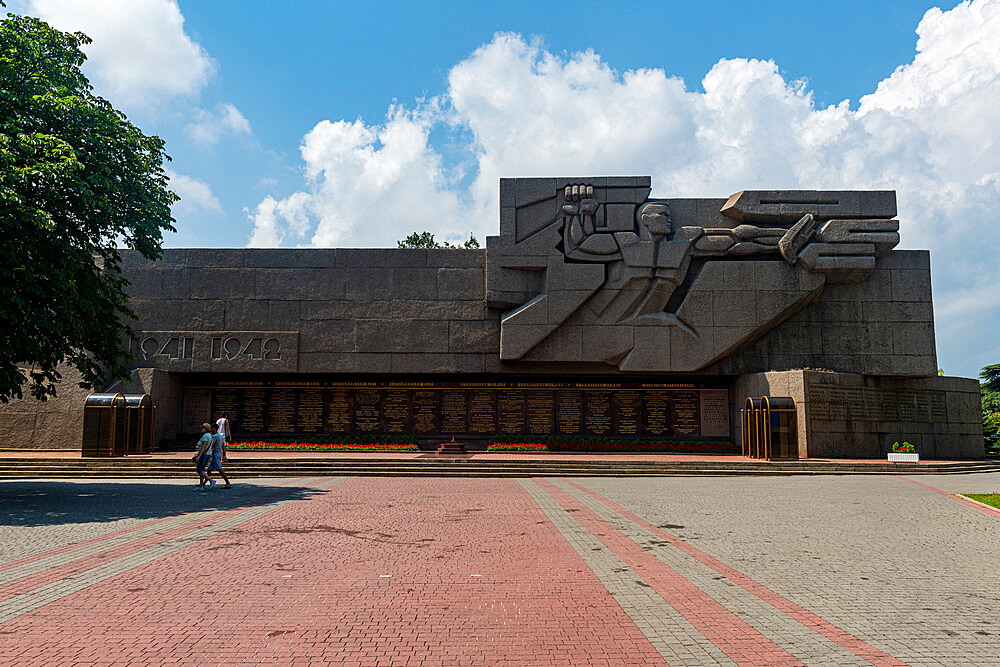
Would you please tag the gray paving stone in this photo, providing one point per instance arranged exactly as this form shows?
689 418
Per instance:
797 639
668 631
910 572
151 527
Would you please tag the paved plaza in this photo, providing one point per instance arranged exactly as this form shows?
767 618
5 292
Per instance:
816 570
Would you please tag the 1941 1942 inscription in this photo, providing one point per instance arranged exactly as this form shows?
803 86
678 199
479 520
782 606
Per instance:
267 351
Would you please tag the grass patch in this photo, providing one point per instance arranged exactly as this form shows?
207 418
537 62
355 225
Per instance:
991 499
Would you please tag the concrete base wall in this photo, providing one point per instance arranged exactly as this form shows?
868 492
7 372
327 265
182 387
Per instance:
845 415
390 311
56 423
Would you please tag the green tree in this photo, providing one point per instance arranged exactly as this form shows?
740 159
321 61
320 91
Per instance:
77 180
989 377
989 387
426 240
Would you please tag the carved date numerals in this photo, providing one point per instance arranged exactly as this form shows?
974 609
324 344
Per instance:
231 347
175 347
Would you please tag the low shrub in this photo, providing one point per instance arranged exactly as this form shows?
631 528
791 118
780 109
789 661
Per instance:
905 448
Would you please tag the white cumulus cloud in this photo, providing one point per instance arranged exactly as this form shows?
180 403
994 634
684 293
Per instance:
928 131
208 127
196 195
140 53
366 185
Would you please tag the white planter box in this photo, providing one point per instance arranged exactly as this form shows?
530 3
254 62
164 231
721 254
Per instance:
903 457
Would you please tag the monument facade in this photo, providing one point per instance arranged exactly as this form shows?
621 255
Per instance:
598 311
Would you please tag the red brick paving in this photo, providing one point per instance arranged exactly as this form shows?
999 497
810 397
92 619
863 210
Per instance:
723 628
33 581
802 615
985 509
305 583
100 538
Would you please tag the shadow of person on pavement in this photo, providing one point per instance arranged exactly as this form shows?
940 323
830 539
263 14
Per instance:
53 503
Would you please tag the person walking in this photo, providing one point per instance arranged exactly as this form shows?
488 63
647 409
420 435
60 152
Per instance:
223 425
218 456
204 456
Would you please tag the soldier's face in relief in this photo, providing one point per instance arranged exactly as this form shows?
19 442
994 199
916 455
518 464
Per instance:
656 219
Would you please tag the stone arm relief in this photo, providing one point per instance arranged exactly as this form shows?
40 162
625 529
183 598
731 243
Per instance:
845 250
581 240
630 282
741 240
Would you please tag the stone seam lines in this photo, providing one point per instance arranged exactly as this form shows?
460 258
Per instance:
56 590
795 611
985 509
726 630
674 638
125 531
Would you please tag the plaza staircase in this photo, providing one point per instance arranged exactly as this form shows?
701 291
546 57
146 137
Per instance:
152 467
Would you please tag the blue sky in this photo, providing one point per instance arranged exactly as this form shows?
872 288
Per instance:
286 70
333 123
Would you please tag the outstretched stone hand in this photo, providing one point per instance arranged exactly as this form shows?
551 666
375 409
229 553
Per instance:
578 209
845 250
581 240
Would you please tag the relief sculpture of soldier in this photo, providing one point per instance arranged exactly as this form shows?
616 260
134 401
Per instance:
646 267
649 270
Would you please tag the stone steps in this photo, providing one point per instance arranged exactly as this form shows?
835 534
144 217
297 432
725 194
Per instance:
24 468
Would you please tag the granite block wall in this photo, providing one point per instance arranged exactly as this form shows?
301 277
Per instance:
846 415
425 311
343 310
56 423
390 310
882 326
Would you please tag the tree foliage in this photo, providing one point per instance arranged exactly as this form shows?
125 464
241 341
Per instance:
426 240
77 180
990 390
989 377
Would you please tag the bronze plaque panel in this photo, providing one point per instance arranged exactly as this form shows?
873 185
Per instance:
652 411
876 404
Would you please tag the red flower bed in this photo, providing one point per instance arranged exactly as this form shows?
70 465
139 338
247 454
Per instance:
517 447
329 447
571 445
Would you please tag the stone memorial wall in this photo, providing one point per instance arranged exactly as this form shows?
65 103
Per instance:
657 316
847 403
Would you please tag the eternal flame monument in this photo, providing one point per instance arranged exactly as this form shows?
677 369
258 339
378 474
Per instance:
597 312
